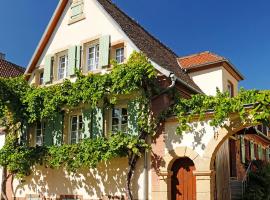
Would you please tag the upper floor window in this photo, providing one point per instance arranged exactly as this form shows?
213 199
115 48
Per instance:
76 129
76 11
119 54
230 88
40 133
119 119
62 67
93 57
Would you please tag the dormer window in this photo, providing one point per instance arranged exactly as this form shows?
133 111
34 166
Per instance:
230 88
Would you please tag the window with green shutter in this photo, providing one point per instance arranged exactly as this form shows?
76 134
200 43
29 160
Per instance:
104 50
48 69
97 122
133 117
74 59
54 130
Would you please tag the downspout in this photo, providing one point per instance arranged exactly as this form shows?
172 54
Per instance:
145 165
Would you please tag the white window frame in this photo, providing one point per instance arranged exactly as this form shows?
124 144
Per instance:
93 65
120 58
120 120
78 131
41 140
65 73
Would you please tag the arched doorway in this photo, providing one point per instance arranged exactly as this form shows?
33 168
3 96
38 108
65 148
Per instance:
183 181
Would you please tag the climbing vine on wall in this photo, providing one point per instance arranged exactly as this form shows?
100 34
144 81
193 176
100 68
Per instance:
252 106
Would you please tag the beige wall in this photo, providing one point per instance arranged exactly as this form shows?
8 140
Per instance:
226 76
208 80
96 23
107 179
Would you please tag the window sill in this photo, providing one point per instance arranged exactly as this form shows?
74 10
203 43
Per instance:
77 19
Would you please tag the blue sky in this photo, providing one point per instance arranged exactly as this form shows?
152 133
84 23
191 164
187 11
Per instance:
238 30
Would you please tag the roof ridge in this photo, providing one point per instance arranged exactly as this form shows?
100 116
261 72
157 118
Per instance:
151 35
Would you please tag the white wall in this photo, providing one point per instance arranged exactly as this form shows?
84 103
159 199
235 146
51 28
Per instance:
208 80
96 23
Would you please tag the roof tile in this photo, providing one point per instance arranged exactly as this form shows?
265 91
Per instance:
8 69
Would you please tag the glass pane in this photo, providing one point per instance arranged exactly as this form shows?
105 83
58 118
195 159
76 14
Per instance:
124 111
116 112
115 121
124 119
115 128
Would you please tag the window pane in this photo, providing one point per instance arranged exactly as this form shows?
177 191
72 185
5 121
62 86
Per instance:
116 112
115 121
119 55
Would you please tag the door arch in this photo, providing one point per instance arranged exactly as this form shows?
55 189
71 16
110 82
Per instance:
183 182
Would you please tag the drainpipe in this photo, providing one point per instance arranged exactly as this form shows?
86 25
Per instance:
145 174
145 164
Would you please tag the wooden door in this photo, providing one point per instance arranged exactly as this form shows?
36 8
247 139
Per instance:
183 180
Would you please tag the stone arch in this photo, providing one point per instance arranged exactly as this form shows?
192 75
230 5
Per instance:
234 125
180 152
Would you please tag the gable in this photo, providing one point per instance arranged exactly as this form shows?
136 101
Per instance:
95 24
103 17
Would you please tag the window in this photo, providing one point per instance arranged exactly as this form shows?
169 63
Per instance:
76 9
119 119
93 57
230 88
119 54
76 129
41 80
62 68
40 133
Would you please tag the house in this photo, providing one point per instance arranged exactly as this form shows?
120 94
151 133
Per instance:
87 34
7 69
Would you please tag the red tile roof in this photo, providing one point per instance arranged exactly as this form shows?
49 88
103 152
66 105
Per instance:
8 69
202 58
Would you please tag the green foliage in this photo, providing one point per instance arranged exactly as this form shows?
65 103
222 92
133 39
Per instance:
259 181
250 105
28 104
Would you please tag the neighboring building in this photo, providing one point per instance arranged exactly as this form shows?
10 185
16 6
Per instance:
7 69
87 34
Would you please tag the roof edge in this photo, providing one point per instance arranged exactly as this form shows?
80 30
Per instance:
46 35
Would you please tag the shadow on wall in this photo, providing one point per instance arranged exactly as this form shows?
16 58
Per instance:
195 139
107 179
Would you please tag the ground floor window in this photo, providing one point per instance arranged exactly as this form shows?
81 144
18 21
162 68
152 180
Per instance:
76 128
119 119
40 133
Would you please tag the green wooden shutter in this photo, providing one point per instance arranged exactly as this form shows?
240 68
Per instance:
78 56
86 114
97 123
54 130
133 118
243 149
104 49
252 155
58 129
47 69
71 60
